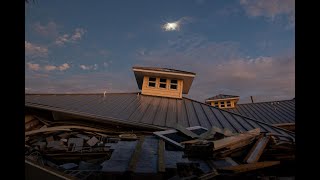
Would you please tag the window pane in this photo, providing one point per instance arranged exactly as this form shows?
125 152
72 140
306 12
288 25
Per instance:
222 105
172 86
216 103
152 79
222 102
152 84
174 81
163 80
163 85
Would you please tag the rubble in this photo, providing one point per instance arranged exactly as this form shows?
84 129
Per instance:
83 152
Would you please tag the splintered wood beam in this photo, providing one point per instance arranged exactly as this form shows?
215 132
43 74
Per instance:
135 156
161 164
256 151
249 167
229 141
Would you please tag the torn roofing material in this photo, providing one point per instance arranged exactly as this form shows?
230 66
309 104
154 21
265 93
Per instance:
222 96
275 112
158 112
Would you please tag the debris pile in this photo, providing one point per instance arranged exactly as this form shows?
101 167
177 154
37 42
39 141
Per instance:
76 150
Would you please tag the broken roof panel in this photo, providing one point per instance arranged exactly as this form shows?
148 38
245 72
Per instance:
148 111
275 112
222 96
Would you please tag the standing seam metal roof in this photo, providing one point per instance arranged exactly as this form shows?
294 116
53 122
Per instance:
275 112
161 112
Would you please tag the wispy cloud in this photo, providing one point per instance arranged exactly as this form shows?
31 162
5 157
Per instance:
33 67
32 50
70 38
63 67
38 67
50 29
270 8
89 67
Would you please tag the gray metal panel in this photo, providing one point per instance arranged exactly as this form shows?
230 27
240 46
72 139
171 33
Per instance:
120 157
182 114
224 122
211 116
151 111
204 122
148 159
234 122
262 112
130 108
120 108
171 120
141 110
274 112
160 118
192 116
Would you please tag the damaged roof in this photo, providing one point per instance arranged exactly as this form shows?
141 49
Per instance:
273 112
222 96
163 70
137 109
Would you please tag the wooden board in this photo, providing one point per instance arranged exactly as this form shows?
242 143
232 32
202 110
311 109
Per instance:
250 167
229 141
256 151
161 164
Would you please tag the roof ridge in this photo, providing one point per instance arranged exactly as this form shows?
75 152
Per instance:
266 101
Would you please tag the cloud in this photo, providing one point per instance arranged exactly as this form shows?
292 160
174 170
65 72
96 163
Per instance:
175 25
50 68
33 67
79 32
223 68
32 50
50 29
270 8
73 38
37 67
64 67
89 67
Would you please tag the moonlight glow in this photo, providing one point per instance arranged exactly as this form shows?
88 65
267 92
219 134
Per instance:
171 26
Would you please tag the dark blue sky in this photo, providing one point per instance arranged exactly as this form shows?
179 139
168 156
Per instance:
239 47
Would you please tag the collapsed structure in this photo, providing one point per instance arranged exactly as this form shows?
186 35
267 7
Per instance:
154 133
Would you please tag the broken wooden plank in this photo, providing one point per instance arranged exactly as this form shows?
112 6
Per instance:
229 141
135 155
28 133
249 167
186 131
161 164
128 137
227 132
287 126
256 151
31 124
